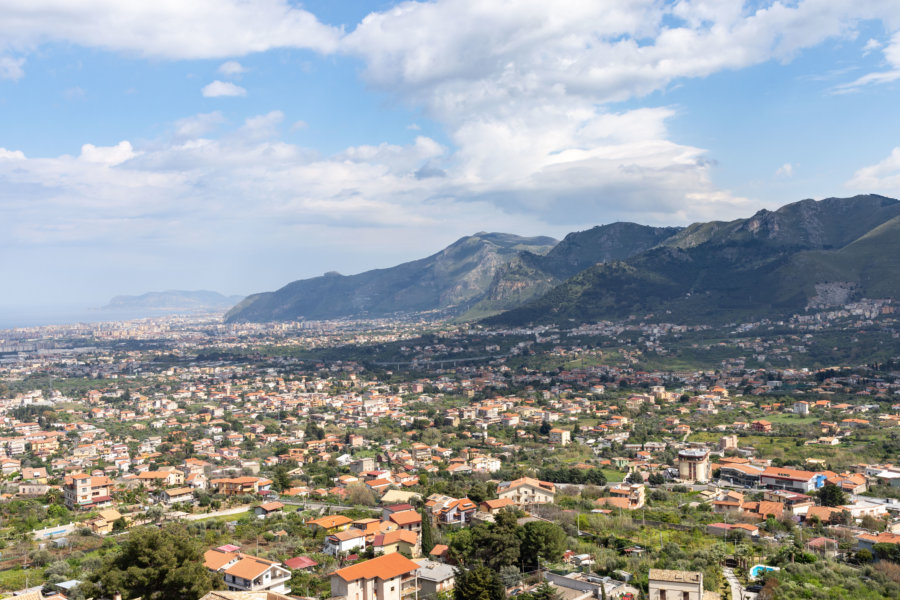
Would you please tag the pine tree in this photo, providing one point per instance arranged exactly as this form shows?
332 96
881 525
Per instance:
427 534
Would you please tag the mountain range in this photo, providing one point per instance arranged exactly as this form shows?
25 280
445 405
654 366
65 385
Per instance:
173 301
808 253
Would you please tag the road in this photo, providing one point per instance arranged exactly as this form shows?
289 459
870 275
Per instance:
737 590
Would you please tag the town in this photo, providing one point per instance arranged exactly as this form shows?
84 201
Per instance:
412 457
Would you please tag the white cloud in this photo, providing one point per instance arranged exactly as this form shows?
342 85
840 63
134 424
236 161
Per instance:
524 94
107 155
871 46
11 154
222 88
299 125
11 68
892 57
172 30
232 68
262 126
785 170
882 177
198 125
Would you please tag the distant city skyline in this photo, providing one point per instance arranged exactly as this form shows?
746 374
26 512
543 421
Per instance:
237 146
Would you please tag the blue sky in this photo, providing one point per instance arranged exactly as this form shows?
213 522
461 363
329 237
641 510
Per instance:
236 147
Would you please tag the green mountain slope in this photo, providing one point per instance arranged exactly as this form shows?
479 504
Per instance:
452 279
774 262
531 275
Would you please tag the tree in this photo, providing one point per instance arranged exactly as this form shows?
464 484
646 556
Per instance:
510 576
480 583
281 478
154 564
427 534
545 428
832 495
544 591
542 540
359 493
635 477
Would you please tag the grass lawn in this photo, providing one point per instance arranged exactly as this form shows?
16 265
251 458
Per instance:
796 420
613 476
16 579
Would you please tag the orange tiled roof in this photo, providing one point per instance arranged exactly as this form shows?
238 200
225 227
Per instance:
384 567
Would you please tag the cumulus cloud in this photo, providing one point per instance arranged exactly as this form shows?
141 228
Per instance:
222 88
524 95
785 170
882 177
11 68
11 154
107 155
171 30
232 68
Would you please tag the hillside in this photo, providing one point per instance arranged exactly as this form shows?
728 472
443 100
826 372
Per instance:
806 253
451 279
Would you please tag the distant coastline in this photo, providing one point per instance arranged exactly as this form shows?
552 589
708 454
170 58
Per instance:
12 317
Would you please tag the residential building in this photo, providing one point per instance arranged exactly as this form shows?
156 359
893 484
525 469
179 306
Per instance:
527 491
666 584
344 541
560 437
388 577
693 465
435 578
245 573
86 492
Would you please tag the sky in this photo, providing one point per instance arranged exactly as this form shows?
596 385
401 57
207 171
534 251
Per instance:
236 146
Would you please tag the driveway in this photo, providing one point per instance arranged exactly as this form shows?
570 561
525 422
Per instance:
737 590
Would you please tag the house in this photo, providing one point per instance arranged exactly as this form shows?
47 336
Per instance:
330 523
492 507
388 577
300 563
268 509
104 521
726 528
439 552
761 426
457 512
86 492
527 491
409 520
177 495
344 541
435 578
236 486
399 540
866 541
246 573
252 574
632 494
666 584
162 478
